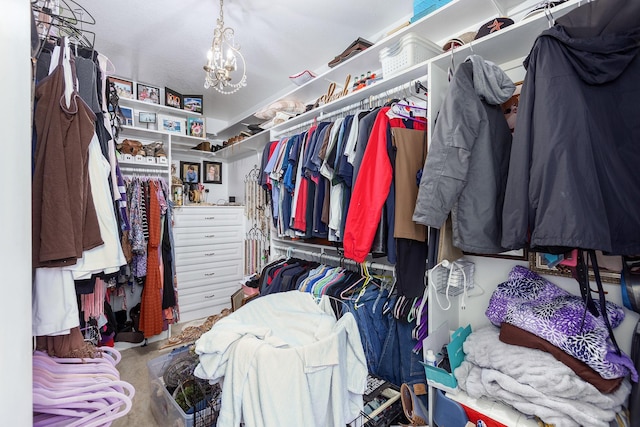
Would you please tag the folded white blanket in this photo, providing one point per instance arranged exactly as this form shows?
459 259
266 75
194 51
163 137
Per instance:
534 382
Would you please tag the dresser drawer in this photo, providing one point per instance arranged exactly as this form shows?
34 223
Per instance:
207 295
205 275
207 260
201 236
187 256
201 308
208 216
201 314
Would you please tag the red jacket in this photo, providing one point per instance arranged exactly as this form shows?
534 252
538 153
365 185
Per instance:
369 192
371 189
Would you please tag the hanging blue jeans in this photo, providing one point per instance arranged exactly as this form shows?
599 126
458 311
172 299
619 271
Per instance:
398 363
373 327
387 342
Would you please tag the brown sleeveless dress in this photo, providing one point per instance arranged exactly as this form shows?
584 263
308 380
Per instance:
63 214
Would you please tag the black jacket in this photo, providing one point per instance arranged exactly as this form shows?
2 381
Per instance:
574 175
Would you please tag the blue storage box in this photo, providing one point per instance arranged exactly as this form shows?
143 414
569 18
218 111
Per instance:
438 377
424 7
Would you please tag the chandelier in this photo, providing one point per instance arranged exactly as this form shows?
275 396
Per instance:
223 60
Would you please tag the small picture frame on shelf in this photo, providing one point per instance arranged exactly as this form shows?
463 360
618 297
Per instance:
172 98
192 103
212 172
146 117
190 172
124 88
126 116
195 127
171 124
148 93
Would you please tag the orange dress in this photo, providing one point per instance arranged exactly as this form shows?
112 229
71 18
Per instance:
151 321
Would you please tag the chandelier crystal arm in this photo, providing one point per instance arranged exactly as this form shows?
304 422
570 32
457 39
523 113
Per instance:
223 59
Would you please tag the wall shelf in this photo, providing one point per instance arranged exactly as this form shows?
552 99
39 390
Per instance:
143 133
417 71
448 21
156 108
244 148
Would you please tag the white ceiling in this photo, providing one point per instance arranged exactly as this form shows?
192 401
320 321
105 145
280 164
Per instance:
164 42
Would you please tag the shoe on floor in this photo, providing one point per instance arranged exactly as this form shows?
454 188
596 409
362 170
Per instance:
413 408
133 337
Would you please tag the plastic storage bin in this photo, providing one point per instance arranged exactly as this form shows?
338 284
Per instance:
424 7
407 52
164 408
436 376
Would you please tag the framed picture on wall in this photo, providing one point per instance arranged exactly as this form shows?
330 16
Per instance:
195 127
212 172
192 103
609 266
126 116
190 172
172 98
148 94
171 124
124 88
146 117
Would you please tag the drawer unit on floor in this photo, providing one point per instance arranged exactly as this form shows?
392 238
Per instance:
208 246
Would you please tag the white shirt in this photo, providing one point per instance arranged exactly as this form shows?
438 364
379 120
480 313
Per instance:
285 361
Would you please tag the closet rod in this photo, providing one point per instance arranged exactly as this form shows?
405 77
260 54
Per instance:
352 107
322 256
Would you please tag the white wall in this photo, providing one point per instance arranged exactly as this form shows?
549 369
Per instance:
213 126
15 215
218 193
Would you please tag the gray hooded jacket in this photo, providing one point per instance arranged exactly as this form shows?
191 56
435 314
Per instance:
465 173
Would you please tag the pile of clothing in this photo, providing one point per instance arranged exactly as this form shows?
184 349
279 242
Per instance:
285 362
547 356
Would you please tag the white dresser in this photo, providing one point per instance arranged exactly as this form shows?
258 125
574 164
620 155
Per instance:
209 253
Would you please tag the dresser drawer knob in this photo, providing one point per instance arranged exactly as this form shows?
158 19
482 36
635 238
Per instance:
210 296
208 274
208 236
209 217
210 254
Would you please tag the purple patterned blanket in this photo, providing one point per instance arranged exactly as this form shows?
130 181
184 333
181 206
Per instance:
530 302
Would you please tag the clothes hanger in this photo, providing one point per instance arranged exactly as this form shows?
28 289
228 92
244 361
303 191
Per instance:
398 110
397 107
386 307
419 86
344 295
368 278
388 287
547 13
452 66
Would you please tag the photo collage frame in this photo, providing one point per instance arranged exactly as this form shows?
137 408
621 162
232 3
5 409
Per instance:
155 118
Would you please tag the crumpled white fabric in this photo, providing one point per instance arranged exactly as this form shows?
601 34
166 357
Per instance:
285 361
534 382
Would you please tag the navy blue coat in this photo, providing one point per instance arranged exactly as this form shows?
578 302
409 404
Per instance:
574 173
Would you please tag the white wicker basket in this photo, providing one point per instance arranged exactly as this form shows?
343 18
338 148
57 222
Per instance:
407 52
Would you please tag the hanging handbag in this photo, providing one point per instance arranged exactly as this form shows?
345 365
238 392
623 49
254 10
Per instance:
630 284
